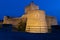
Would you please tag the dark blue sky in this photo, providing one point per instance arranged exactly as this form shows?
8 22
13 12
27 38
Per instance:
15 8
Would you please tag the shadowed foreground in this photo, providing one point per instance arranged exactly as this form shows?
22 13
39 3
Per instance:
28 36
6 33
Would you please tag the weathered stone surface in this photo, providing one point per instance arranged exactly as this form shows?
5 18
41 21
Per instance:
51 21
36 22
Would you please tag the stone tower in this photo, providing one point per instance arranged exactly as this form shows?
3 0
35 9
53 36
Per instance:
36 21
31 6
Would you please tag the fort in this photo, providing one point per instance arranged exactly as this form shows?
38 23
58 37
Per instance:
34 20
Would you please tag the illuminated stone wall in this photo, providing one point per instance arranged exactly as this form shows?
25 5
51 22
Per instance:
51 21
13 21
36 22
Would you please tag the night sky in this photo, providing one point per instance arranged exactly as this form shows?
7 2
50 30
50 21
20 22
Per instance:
15 8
